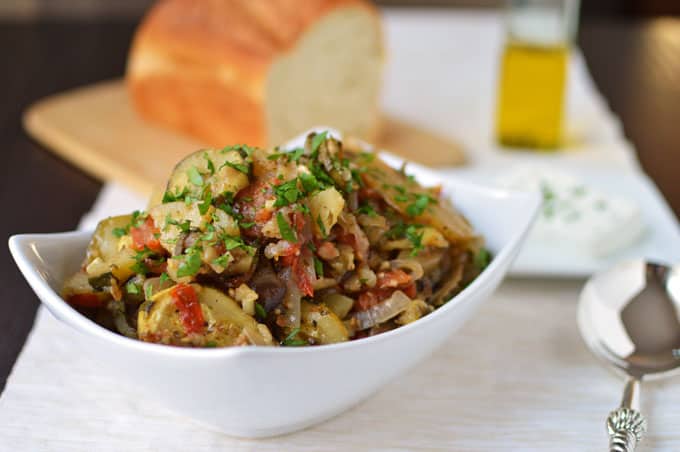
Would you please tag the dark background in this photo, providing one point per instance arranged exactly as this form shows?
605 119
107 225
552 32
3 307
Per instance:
632 48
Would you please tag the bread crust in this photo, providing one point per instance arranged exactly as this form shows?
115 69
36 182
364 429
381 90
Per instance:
200 66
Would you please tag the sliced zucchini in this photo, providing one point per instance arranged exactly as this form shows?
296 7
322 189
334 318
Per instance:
221 170
106 254
225 322
321 324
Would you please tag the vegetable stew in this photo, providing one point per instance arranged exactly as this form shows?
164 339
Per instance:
309 246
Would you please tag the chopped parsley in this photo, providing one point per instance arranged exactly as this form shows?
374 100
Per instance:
191 263
211 165
260 312
173 197
412 232
418 207
244 150
120 232
367 209
322 227
223 260
164 277
317 140
286 232
210 344
148 291
415 236
292 340
318 267
291 156
310 183
194 176
242 167
206 201
132 288
287 193
184 226
482 259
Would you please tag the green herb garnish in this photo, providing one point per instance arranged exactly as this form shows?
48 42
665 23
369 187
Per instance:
292 340
148 291
194 176
132 288
367 209
190 264
211 166
286 232
287 193
318 267
322 227
482 259
418 207
260 312
242 167
317 140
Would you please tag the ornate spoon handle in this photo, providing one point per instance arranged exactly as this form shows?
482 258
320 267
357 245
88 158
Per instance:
626 425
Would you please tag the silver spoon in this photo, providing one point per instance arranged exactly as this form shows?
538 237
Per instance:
629 317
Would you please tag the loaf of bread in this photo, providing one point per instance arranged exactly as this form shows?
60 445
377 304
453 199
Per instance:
258 71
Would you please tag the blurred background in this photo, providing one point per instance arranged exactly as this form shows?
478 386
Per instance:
74 9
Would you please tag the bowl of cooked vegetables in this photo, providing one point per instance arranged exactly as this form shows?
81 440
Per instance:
258 280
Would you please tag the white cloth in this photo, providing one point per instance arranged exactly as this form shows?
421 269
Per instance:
516 377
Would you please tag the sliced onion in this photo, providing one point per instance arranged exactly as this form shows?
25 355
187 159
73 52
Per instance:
383 311
291 301
324 283
412 267
350 225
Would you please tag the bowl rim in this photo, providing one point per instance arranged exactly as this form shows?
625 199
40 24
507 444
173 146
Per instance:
19 243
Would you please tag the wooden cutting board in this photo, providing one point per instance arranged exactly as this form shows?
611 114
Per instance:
96 128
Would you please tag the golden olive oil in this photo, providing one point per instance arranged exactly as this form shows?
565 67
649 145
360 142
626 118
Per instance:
531 98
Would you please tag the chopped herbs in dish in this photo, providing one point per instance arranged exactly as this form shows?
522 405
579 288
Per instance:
315 245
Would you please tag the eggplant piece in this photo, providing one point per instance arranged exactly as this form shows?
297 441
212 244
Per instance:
269 287
220 170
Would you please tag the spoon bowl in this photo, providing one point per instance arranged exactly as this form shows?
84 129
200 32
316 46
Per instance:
629 317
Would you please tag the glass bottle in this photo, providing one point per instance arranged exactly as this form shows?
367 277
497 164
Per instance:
539 36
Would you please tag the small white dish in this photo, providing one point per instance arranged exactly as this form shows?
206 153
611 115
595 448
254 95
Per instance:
660 242
265 391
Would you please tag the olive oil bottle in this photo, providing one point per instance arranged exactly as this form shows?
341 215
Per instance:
532 82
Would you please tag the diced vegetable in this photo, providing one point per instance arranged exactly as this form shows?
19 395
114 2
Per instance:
219 170
321 325
105 249
325 208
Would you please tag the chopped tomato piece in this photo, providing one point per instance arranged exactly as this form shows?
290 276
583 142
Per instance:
264 215
392 278
145 235
372 297
86 300
190 312
410 290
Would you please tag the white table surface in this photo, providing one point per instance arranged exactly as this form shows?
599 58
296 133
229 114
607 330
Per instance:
516 377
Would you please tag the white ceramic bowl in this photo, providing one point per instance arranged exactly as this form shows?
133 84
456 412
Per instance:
265 391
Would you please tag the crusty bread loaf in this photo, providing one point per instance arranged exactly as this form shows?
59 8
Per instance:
258 71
